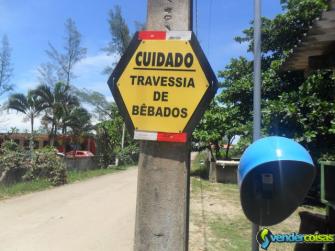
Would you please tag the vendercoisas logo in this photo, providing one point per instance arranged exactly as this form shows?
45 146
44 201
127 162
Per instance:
264 238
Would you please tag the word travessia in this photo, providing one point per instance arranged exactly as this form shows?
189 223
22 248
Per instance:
167 60
152 111
162 81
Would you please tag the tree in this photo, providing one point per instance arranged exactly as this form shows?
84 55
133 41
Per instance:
47 74
109 140
59 102
29 105
79 120
293 105
120 35
6 69
103 109
211 130
63 62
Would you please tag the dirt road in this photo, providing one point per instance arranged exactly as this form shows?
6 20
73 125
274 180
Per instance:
98 214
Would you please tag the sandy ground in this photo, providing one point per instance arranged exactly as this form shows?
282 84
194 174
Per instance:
98 214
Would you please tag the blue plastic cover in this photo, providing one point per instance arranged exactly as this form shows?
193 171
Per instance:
270 149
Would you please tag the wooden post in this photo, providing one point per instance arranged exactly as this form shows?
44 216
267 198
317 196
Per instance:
162 210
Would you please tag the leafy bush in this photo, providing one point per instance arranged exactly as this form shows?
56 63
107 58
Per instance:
129 154
10 145
17 164
46 164
199 167
13 165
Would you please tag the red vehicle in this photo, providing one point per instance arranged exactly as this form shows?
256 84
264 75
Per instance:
77 154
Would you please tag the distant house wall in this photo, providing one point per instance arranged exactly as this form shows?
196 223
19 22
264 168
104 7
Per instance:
42 140
82 163
224 172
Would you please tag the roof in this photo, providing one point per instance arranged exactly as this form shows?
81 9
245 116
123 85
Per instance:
318 41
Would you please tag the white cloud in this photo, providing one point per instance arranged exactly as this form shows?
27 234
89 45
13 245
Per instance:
25 85
90 75
18 120
94 64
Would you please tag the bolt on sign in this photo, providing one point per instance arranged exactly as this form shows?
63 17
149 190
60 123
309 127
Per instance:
162 85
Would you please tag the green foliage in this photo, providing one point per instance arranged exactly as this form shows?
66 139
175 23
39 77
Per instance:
13 165
63 62
109 143
7 191
120 34
280 34
129 154
198 167
63 110
78 120
103 109
292 105
109 137
212 126
30 105
9 145
6 71
231 113
16 165
46 164
119 31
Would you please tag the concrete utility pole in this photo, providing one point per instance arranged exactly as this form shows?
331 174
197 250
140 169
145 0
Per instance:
257 92
162 211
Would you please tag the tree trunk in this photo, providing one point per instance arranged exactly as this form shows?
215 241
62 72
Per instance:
64 139
3 176
228 146
52 139
31 142
217 150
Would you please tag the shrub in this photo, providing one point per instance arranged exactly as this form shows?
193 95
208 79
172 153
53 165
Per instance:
13 163
129 154
46 164
17 164
9 145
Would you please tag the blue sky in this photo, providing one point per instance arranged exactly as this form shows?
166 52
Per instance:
31 24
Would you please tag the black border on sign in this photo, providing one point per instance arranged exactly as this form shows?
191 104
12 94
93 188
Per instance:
211 90
201 107
114 78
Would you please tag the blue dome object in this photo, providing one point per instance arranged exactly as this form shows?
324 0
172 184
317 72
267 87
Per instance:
275 174
270 149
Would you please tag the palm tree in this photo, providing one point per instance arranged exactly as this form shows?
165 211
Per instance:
29 105
59 102
79 122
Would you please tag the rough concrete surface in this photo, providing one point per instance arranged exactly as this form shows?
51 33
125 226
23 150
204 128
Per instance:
98 214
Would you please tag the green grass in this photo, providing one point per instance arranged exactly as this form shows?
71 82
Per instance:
23 188
232 234
219 222
8 191
198 166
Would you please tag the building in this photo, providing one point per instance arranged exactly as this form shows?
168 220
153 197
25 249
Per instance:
42 140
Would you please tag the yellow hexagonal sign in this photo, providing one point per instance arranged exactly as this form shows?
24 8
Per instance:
163 83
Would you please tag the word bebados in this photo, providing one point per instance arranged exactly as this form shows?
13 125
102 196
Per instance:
152 111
